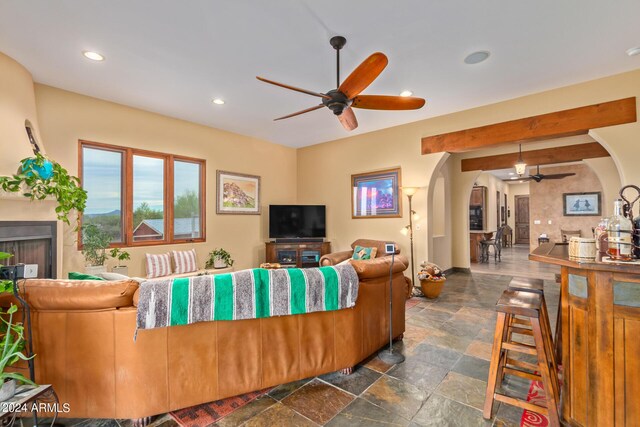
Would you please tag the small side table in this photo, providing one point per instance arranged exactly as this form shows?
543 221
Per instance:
542 240
26 400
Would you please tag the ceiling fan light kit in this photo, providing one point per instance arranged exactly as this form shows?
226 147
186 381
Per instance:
347 94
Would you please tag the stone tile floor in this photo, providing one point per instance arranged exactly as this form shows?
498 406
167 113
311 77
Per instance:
447 345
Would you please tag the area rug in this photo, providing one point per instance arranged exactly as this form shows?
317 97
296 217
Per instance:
209 413
535 396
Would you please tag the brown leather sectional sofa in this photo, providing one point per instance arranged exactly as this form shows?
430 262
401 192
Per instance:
83 337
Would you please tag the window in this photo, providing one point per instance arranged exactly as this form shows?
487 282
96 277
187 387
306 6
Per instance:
141 197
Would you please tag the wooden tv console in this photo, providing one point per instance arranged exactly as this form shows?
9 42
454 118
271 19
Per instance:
298 254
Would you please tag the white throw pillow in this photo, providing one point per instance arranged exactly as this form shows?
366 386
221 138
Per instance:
158 265
185 261
107 275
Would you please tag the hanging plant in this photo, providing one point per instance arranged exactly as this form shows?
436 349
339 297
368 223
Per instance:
42 178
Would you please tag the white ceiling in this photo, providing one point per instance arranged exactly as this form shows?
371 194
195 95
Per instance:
173 57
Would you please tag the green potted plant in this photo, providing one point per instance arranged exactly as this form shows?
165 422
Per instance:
39 177
95 243
120 255
219 258
12 344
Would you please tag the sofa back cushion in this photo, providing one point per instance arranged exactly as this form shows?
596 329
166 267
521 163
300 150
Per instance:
60 294
185 261
378 244
158 265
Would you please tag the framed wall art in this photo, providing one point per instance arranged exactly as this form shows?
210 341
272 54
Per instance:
376 194
237 193
582 204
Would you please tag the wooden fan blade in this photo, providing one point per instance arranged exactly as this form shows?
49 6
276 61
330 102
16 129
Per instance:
317 107
558 175
385 102
348 119
297 89
362 76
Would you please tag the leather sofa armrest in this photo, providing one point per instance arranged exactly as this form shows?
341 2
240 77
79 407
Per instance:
136 297
335 258
378 267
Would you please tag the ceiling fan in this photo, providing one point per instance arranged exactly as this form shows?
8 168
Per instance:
347 95
539 177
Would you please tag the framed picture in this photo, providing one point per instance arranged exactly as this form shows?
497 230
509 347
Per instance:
582 204
376 194
237 193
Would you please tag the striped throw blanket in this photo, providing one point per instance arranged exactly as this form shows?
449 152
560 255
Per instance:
247 294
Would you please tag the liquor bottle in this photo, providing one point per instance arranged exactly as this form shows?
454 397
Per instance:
600 234
619 229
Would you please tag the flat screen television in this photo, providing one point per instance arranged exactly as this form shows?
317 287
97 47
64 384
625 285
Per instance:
297 221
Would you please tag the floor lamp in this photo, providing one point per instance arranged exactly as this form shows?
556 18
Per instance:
408 230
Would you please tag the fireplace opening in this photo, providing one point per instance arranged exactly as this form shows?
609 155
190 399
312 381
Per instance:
31 242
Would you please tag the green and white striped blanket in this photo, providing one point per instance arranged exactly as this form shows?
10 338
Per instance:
247 294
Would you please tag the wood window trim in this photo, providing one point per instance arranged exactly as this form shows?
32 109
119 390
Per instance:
127 193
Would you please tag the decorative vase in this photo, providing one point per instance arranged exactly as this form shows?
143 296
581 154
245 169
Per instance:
432 288
8 390
95 269
121 269
45 171
219 263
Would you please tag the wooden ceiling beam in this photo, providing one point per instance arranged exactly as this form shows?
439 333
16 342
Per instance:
547 156
576 121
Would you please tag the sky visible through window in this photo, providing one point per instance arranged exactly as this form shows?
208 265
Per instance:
102 178
148 182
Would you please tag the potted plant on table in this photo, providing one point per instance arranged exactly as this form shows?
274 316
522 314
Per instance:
12 344
431 280
95 243
219 258
121 255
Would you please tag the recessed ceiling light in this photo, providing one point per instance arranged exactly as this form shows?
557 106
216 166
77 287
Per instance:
514 177
94 56
633 51
218 101
406 93
512 173
477 57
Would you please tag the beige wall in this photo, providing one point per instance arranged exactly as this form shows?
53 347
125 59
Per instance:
66 117
546 203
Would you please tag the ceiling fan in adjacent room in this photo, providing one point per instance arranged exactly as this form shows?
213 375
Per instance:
537 177
347 95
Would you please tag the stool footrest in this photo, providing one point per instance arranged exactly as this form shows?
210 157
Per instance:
521 403
522 374
521 331
520 348
522 364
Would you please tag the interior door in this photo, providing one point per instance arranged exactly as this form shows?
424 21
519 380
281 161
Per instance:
522 220
497 210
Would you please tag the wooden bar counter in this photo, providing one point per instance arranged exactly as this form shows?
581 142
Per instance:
600 339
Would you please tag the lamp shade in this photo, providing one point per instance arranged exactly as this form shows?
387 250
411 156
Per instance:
409 191
521 167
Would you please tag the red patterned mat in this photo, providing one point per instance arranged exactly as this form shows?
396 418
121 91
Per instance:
411 302
536 396
209 413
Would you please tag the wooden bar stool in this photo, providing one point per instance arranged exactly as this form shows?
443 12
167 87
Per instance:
528 305
527 284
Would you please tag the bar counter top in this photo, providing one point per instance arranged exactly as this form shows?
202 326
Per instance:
558 254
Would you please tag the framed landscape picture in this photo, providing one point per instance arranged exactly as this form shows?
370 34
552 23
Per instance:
237 193
582 204
376 194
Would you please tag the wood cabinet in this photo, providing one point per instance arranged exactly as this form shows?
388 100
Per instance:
300 255
478 196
